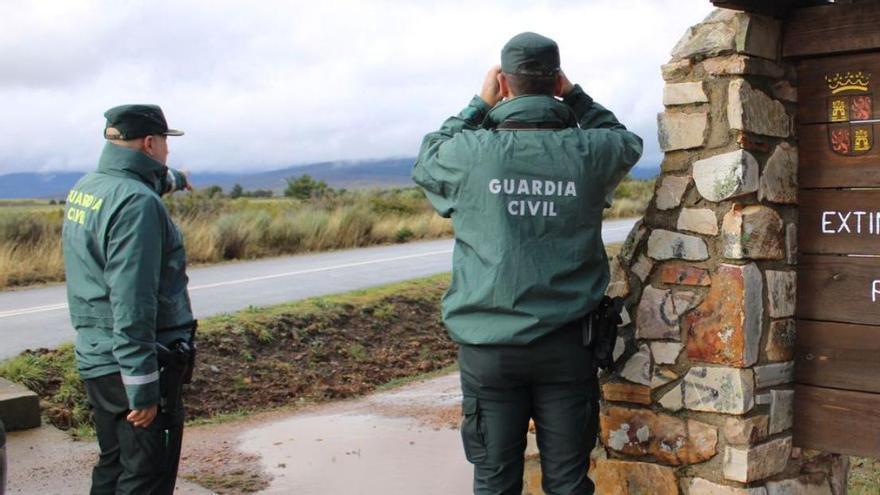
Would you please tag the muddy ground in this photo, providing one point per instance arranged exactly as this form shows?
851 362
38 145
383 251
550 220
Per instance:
346 351
329 349
385 442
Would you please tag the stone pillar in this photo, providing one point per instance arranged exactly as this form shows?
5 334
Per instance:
701 402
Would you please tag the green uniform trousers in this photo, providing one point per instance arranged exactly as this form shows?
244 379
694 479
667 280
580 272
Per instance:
133 460
553 380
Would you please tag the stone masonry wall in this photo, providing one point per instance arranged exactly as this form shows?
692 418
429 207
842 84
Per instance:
701 402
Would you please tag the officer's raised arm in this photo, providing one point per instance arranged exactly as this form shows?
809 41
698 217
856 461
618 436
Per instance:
176 180
617 148
439 169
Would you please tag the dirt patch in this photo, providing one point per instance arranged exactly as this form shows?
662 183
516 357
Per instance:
217 465
446 417
324 349
346 351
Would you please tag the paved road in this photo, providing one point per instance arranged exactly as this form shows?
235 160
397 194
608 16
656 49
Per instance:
35 318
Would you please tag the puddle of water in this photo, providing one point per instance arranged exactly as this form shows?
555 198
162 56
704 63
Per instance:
360 454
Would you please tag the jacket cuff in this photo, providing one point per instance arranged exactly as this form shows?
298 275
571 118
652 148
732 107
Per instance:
475 112
578 100
175 181
142 396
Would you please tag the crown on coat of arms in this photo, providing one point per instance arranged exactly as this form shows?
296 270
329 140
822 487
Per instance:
848 81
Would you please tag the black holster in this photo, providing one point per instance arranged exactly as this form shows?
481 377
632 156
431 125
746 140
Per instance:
600 330
176 363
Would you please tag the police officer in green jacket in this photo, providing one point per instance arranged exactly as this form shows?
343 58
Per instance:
524 172
127 292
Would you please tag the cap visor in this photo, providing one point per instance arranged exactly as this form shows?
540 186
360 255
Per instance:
173 132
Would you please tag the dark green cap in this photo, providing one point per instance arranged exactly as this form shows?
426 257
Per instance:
530 54
136 121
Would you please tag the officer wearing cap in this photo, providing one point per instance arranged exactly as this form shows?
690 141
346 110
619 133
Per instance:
127 292
524 172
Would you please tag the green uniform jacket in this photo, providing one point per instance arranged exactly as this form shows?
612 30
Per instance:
126 271
526 206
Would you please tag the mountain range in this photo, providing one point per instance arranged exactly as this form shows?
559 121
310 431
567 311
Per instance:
354 174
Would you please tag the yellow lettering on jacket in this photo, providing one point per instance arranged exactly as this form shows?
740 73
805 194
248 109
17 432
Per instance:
79 204
76 215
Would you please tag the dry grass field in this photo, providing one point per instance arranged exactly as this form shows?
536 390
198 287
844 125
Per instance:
217 229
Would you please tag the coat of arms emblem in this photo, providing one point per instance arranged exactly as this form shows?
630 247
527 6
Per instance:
850 106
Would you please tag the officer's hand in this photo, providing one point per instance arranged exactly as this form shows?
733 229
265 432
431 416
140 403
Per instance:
188 186
566 86
491 92
143 417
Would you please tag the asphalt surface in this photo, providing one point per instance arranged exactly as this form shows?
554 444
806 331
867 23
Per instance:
34 318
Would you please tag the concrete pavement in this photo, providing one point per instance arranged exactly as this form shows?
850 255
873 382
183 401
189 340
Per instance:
398 442
47 461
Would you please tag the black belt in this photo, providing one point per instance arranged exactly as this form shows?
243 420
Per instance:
517 125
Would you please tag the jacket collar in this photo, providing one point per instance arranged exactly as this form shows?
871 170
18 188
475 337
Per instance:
531 108
123 162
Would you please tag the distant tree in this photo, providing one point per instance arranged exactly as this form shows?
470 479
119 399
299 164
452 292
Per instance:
214 191
305 187
259 193
236 191
53 202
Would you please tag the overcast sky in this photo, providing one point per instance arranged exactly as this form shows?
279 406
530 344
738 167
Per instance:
262 85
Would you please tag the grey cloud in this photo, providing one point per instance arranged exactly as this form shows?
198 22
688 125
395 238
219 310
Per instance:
275 83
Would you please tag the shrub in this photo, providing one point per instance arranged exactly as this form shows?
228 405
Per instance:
236 191
354 227
314 227
305 187
237 233
214 191
403 234
194 204
283 234
22 227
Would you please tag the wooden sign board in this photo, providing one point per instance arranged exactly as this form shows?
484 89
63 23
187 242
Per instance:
839 222
838 421
838 89
820 166
839 117
835 28
837 352
839 288
838 355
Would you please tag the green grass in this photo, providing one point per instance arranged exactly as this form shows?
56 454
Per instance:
864 476
52 374
28 369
